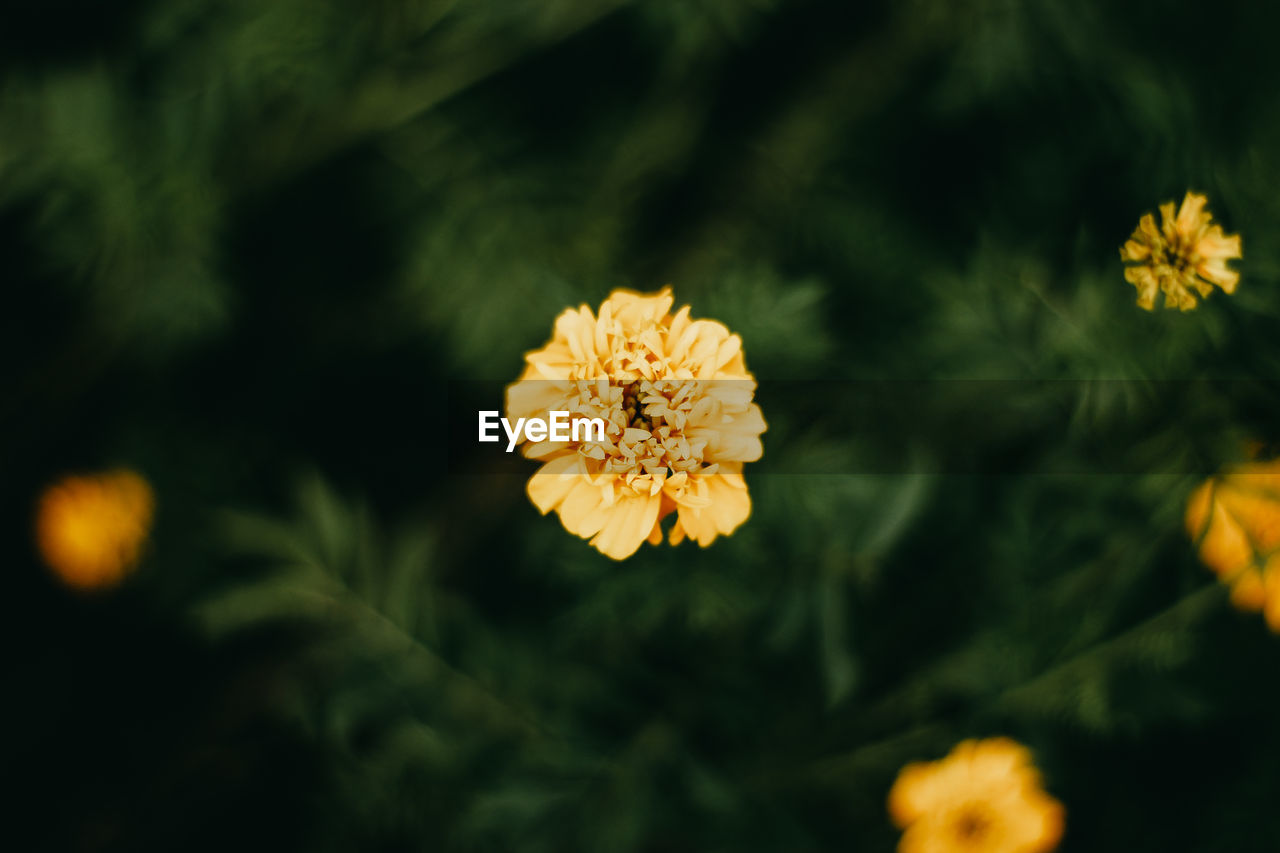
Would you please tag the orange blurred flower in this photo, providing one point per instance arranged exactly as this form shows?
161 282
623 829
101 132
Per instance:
1234 519
984 797
1185 254
90 529
677 399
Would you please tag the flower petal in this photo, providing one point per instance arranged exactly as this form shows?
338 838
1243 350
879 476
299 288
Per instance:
628 525
551 483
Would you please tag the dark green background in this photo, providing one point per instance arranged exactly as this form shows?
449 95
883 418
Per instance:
255 249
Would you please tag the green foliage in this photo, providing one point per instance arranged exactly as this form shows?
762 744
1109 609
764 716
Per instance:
248 239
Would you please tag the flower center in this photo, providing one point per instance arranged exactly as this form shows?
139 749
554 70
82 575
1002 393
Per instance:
971 825
1180 256
645 436
634 409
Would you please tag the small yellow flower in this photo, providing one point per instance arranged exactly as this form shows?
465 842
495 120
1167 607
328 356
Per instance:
90 529
985 797
677 399
1234 519
1185 254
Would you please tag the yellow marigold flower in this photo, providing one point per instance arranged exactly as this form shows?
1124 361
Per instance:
677 399
1185 254
90 530
1234 519
984 797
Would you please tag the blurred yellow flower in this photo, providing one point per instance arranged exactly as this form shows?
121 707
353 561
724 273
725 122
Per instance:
1234 519
985 797
90 529
677 399
1185 254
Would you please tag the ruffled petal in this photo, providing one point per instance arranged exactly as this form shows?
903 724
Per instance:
550 484
629 523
